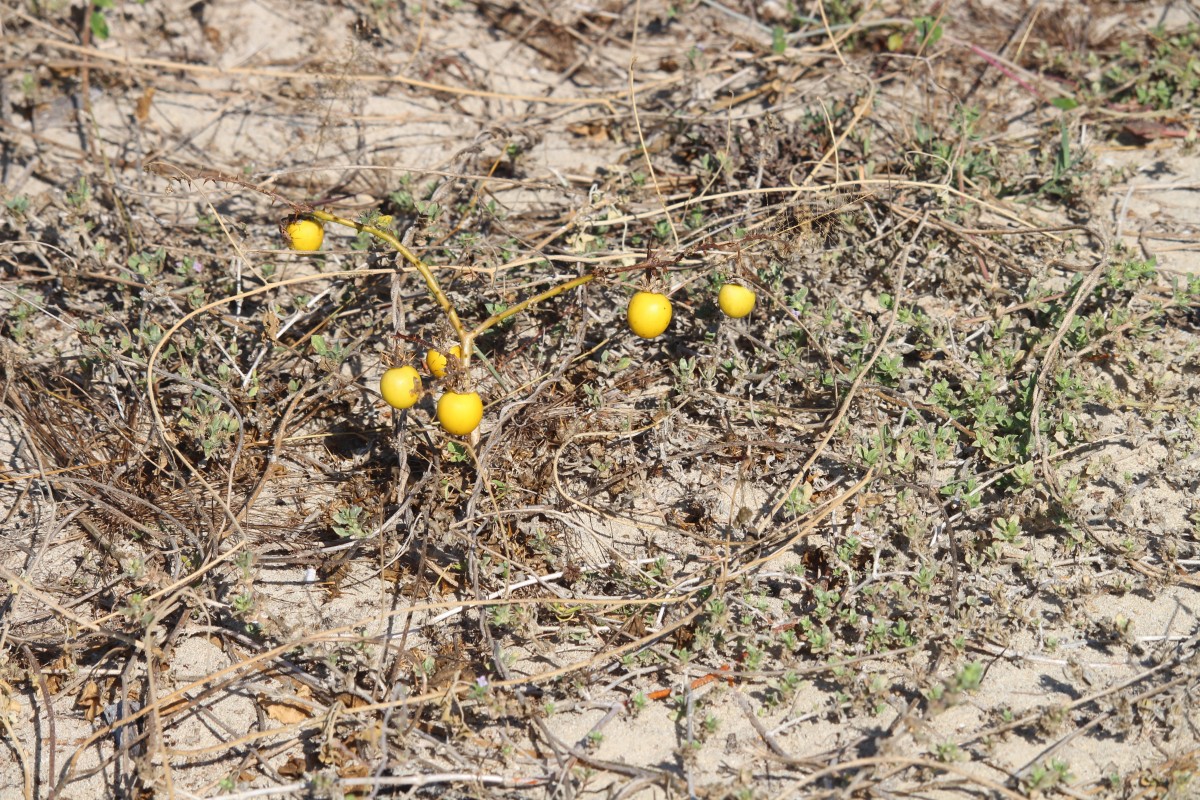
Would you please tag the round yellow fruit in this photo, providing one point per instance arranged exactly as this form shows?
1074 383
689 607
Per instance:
306 234
649 314
460 413
400 387
736 300
436 363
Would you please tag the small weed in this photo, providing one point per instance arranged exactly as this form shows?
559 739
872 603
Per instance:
81 196
347 523
17 206
1047 775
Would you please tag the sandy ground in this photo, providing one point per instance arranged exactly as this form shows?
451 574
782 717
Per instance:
293 95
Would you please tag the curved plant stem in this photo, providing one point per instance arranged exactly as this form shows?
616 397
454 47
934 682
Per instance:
466 338
430 281
554 291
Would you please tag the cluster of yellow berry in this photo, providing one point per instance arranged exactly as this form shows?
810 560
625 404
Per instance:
458 412
648 315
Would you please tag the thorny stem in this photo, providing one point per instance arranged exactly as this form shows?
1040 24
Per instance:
466 338
430 281
554 291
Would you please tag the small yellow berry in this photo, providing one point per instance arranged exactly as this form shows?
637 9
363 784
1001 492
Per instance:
401 387
736 300
306 234
460 413
649 314
436 363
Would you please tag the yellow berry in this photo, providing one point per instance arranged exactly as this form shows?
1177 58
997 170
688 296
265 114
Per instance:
460 413
436 363
649 314
736 300
306 234
400 387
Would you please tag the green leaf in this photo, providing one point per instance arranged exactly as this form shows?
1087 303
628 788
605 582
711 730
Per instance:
1064 103
99 25
778 42
928 31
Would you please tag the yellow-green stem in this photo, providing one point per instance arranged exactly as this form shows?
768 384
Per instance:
466 338
430 281
496 319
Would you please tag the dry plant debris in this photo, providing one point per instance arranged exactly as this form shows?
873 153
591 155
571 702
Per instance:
923 523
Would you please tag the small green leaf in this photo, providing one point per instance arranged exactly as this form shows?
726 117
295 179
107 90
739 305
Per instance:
778 42
99 25
1064 103
928 30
